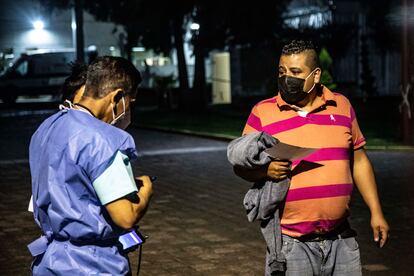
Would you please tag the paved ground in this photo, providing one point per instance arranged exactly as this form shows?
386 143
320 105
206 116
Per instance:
196 222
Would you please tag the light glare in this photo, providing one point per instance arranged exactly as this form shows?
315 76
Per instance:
38 25
195 26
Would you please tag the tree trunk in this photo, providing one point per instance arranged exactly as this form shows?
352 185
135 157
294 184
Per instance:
179 46
132 40
407 83
80 52
182 63
199 85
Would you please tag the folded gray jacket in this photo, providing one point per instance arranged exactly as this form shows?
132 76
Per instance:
262 201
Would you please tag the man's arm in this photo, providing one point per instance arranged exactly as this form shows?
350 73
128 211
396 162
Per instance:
365 181
126 213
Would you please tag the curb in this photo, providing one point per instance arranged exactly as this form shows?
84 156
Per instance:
220 137
228 138
391 148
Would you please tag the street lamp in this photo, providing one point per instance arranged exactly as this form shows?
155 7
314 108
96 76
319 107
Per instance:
38 25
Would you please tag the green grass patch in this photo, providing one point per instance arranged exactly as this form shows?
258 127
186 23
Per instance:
380 129
215 121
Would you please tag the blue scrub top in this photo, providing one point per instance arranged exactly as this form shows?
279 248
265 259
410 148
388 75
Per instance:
68 152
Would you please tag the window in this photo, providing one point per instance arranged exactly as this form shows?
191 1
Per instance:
22 68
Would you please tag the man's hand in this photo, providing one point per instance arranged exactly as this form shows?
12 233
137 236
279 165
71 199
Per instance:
380 229
145 189
278 170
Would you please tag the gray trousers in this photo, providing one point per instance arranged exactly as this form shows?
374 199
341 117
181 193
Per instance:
338 257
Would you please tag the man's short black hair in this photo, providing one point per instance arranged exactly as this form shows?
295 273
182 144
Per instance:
76 79
299 46
106 74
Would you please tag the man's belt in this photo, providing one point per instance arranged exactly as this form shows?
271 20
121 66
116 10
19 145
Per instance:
341 232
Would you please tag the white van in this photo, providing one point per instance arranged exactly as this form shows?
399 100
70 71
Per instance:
36 74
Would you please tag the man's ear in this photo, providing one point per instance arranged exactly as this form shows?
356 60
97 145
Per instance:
317 75
116 96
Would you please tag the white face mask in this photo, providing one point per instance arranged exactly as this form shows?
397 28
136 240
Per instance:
123 120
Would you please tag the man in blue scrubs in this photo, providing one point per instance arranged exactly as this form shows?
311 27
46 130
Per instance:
84 191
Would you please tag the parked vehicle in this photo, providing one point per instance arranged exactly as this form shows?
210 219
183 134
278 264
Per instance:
35 74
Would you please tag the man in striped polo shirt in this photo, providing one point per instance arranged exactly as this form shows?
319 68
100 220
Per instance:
317 239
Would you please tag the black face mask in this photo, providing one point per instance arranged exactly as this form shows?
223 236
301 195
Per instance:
291 89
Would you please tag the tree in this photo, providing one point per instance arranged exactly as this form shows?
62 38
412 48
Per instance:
77 5
80 52
120 12
384 23
407 76
326 63
145 22
127 13
152 23
368 79
230 23
163 25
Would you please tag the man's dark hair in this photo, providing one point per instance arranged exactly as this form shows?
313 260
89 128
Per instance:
299 46
76 79
107 73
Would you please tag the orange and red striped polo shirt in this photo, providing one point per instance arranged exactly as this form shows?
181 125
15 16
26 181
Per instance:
318 199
